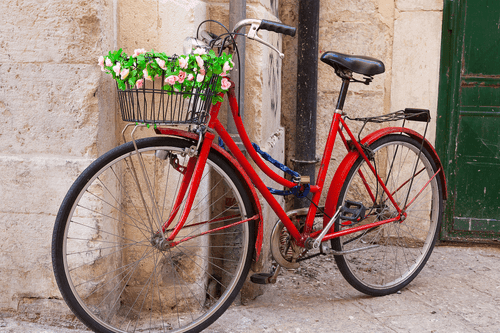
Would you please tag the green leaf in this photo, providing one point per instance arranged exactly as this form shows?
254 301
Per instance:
121 84
216 99
132 81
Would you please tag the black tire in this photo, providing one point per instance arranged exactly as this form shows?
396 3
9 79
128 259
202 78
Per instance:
396 252
105 261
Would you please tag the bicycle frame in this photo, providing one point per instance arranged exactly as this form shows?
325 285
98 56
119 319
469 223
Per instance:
194 169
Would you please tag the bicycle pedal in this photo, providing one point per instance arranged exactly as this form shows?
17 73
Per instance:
267 278
262 278
352 212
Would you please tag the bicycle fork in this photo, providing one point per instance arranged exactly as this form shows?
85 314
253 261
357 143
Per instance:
192 175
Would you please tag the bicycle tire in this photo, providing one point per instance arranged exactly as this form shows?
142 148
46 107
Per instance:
106 264
394 253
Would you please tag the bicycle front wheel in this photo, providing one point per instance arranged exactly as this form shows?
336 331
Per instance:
110 263
384 259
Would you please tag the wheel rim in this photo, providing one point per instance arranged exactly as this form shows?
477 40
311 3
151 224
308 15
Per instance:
395 252
136 293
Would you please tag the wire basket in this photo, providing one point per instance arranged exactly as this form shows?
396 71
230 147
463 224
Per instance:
151 104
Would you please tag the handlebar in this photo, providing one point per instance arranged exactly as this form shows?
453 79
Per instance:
256 25
209 40
278 27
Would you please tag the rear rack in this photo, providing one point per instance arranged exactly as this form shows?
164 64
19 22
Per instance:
421 115
410 114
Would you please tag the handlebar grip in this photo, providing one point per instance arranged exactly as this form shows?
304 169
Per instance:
278 27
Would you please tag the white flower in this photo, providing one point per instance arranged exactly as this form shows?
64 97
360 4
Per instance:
137 52
124 73
160 63
199 61
101 63
116 68
146 75
200 51
183 62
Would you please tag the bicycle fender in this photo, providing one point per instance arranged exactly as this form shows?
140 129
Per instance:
238 168
348 161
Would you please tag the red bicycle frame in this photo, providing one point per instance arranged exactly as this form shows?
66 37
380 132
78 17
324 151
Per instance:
194 170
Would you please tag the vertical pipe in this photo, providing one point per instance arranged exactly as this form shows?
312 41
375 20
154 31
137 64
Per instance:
238 12
307 75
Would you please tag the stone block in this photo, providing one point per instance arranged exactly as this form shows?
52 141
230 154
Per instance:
25 258
415 67
419 5
347 11
36 185
50 109
56 31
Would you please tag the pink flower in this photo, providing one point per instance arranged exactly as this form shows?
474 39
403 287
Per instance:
160 63
116 68
108 62
137 52
171 79
181 76
190 77
124 73
199 61
226 67
101 63
200 51
225 84
183 62
199 78
202 71
146 75
139 83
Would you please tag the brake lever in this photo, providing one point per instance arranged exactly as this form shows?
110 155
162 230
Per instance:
252 34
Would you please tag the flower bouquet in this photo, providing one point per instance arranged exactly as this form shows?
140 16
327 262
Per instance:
198 77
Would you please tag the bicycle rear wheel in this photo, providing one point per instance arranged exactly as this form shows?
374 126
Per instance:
109 264
384 259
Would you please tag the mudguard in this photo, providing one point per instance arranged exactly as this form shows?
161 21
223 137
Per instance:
239 170
352 156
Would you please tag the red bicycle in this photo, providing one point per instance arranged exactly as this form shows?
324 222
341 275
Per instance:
159 233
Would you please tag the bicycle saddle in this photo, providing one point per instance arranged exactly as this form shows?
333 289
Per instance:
357 64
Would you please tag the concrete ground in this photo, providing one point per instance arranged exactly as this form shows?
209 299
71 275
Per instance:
458 291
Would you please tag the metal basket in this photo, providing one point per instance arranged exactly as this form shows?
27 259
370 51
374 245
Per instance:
151 104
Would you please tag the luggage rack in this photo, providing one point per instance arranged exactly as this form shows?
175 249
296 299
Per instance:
410 114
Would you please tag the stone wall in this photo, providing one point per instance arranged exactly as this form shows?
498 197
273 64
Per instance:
58 113
405 35
57 116
58 110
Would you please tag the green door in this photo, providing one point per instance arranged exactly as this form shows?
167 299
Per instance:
468 126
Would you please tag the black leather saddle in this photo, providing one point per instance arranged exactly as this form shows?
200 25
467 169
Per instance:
357 64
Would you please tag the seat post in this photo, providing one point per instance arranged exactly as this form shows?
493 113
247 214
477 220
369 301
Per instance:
343 93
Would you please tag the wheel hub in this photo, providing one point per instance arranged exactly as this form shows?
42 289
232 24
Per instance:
160 242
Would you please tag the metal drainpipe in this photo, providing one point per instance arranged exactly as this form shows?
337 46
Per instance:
307 75
238 12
